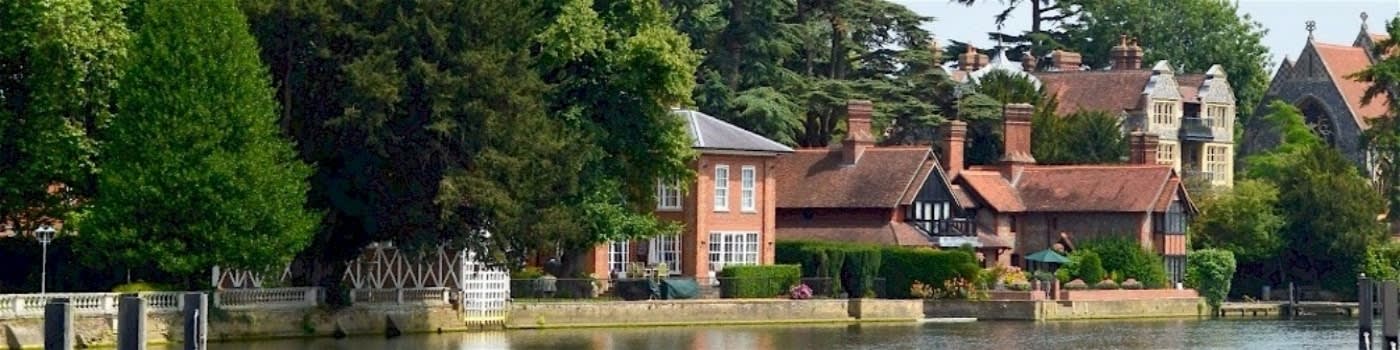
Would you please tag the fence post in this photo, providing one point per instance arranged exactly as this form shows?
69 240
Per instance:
131 324
58 325
1390 324
1363 298
196 318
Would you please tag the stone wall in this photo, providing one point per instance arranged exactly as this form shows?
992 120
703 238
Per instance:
1128 294
1050 310
165 328
695 312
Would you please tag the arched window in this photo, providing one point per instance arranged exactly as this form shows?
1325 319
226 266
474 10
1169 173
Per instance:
1316 117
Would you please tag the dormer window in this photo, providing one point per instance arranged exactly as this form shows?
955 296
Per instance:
1164 113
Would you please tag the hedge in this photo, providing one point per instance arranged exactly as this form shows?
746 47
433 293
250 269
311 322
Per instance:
844 269
902 266
758 281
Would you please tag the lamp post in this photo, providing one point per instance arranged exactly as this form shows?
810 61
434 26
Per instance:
45 235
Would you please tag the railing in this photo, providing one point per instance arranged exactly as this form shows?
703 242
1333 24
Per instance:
245 299
1197 129
947 227
400 296
29 305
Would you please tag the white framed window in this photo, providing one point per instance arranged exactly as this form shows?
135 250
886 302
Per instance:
1217 163
617 256
721 187
747 177
733 248
666 249
1164 113
1166 153
668 196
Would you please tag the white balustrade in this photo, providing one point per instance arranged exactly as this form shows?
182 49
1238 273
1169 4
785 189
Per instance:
265 298
401 296
32 305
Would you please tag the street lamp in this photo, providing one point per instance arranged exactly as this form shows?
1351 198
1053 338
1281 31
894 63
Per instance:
45 235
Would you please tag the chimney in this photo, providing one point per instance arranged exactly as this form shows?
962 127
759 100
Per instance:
1127 55
971 60
858 136
953 142
1065 61
1027 62
1016 137
1142 148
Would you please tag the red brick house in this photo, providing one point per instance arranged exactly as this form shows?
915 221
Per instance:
727 212
1037 206
862 193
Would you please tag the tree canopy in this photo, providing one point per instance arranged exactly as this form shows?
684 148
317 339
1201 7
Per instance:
194 161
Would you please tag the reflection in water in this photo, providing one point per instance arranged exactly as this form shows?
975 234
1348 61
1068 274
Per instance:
1157 334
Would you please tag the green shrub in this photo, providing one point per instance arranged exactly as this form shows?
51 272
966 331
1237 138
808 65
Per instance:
1076 285
527 273
1019 286
137 287
758 281
845 268
1209 271
1090 266
902 266
1131 284
1130 259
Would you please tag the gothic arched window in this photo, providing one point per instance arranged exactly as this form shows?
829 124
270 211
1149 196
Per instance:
1316 117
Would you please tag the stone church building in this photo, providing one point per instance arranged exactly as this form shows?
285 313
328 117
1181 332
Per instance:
1317 83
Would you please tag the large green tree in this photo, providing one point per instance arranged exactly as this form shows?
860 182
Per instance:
195 172
59 68
1382 139
518 127
1084 137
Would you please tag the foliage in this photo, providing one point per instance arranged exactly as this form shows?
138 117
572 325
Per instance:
1329 247
135 287
1209 271
849 267
1019 286
1129 259
1106 284
1244 221
187 169
1296 137
902 266
68 271
957 288
1382 139
800 292
59 69
1382 262
758 281
527 273
1083 264
1083 137
1007 275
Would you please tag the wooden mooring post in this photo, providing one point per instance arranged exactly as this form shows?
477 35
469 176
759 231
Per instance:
1390 325
1364 310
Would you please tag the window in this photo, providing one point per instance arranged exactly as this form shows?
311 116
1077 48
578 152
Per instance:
1217 163
746 188
733 248
1219 115
617 256
1166 153
666 249
721 187
1174 221
926 215
1176 267
1164 113
668 196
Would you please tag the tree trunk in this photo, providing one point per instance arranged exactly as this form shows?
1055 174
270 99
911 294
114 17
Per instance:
838 49
736 51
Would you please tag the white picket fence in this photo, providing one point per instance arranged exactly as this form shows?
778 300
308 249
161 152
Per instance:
485 292
32 305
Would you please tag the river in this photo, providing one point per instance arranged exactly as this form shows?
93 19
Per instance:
1144 334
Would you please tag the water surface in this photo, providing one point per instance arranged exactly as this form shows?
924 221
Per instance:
1145 334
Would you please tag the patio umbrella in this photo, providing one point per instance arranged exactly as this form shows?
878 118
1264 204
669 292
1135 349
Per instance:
1047 256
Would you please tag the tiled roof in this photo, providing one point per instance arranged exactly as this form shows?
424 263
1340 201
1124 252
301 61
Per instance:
1093 188
961 196
1342 61
884 233
710 133
1189 85
993 190
1111 91
1078 188
816 178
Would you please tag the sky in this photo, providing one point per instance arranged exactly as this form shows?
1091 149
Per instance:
1338 21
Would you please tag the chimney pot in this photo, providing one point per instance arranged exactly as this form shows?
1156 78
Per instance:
1127 55
1017 134
954 141
1065 61
1142 148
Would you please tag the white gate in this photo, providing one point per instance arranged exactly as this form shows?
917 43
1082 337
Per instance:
485 291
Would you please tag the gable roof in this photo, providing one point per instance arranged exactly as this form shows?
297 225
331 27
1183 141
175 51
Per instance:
1112 91
1342 61
1076 188
882 178
1189 85
710 133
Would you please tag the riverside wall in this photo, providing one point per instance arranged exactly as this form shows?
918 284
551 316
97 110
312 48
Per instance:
702 312
1054 310
163 328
